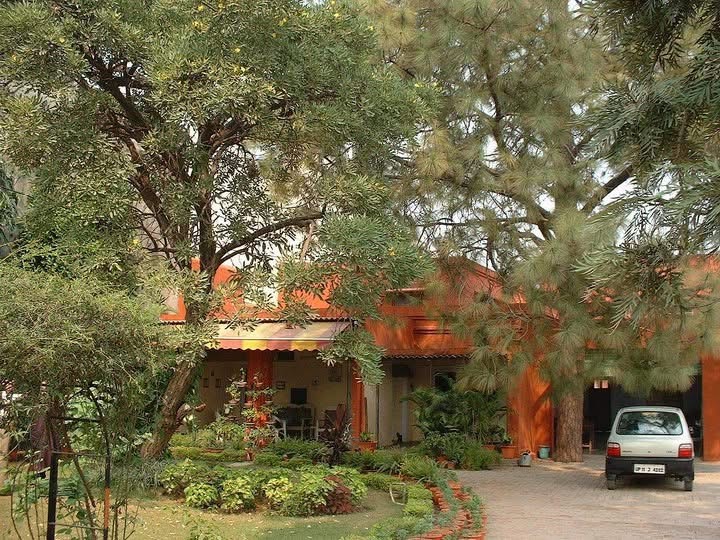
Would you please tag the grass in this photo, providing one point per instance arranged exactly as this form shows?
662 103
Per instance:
168 519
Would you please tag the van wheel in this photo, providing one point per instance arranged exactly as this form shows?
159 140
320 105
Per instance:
611 482
687 484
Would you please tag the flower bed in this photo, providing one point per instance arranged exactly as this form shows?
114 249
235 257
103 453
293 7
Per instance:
310 490
437 507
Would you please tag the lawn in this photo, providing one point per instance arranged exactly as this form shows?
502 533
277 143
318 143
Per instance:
168 519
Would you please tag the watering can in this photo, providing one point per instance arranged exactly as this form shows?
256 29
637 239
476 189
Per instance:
525 459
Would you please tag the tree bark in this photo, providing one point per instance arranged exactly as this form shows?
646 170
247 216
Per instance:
173 398
569 427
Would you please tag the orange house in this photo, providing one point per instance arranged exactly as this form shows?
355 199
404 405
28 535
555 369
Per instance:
418 348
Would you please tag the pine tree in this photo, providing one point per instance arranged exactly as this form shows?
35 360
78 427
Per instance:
506 175
213 130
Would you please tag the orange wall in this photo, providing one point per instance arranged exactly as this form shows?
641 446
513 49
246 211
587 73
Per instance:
530 419
711 408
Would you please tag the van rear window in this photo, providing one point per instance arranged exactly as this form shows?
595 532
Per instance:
649 423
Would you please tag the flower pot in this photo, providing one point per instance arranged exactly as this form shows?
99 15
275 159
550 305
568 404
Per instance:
490 447
368 446
508 451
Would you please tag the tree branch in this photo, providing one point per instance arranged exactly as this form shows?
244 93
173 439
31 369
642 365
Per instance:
608 187
227 251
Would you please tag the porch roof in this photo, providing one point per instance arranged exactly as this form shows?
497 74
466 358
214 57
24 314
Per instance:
276 336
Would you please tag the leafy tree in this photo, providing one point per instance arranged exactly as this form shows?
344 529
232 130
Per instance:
217 129
662 113
507 175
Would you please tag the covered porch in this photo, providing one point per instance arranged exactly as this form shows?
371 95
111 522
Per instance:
286 360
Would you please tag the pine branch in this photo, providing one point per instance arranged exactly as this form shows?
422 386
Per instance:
603 191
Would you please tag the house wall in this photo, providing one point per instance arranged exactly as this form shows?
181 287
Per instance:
221 366
711 408
530 416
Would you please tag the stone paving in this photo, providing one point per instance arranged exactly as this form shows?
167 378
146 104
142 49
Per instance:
570 501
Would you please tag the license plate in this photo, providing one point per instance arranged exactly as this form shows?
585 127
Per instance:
648 468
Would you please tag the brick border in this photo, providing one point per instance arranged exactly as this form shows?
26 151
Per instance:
462 526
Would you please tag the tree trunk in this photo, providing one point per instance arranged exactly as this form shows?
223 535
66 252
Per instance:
172 400
569 427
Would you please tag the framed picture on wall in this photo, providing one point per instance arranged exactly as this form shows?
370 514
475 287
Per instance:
335 374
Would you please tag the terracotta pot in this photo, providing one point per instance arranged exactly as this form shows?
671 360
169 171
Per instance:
490 447
508 451
369 446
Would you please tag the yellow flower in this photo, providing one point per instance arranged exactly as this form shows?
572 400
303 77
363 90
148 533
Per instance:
200 7
371 28
332 2
237 49
274 35
283 21
337 15
62 40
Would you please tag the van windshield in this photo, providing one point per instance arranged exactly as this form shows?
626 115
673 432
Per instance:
649 423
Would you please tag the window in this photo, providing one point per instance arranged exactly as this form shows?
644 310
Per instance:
649 423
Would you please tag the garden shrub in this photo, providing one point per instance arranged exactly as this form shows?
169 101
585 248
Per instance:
310 450
308 495
267 459
177 476
191 452
450 445
179 439
276 491
185 452
340 499
421 468
418 492
400 528
200 495
418 508
477 458
353 480
237 494
363 461
387 461
381 481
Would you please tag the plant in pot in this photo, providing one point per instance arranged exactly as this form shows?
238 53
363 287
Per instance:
367 441
507 448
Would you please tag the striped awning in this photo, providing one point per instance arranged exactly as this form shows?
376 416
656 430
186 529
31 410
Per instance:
276 336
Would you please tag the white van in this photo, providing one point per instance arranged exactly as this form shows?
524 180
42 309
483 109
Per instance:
648 441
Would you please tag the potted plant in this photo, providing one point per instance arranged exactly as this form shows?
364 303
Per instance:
507 448
367 441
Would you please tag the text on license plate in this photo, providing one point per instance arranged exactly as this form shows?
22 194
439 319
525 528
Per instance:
648 468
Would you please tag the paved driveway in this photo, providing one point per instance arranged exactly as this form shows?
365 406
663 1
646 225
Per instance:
554 500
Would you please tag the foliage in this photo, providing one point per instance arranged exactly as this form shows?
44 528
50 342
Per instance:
177 476
421 468
470 413
379 481
418 508
289 447
386 460
307 496
401 528
476 458
199 495
276 491
200 529
83 321
336 435
214 134
451 445
237 494
367 436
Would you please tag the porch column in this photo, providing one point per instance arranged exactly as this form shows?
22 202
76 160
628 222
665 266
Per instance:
711 408
260 366
357 405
